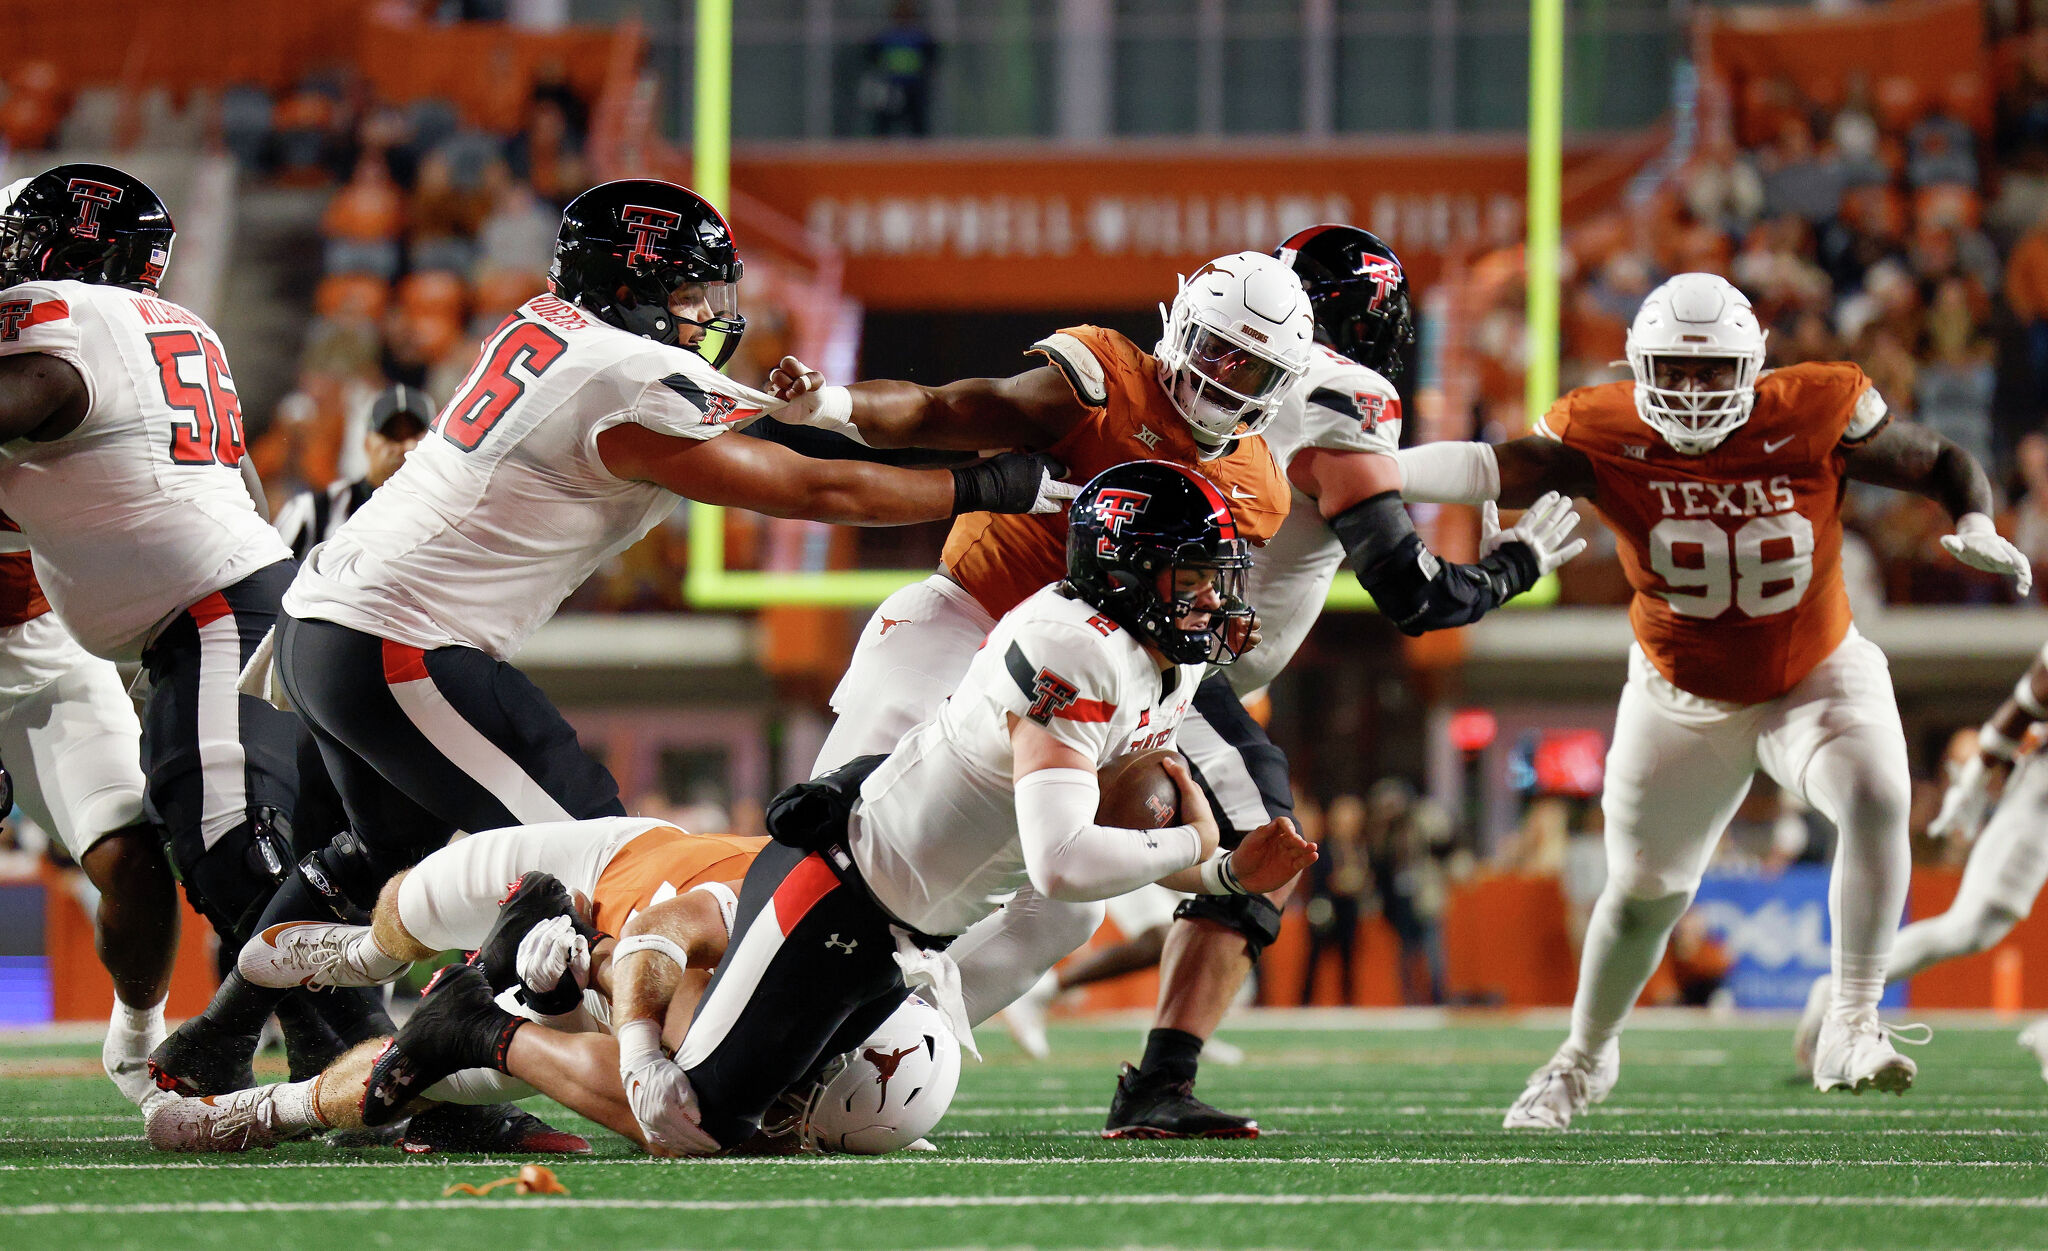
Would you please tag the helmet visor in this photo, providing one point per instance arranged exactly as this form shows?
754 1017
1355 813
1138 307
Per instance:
708 320
1235 367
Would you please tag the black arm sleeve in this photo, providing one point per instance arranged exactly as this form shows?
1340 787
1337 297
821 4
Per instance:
1417 591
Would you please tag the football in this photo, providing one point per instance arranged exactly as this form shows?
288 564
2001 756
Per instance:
1137 793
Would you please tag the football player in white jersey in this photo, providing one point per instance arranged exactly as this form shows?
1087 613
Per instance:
590 414
2006 779
122 465
878 865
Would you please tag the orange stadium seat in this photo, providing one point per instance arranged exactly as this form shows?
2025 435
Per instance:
351 295
436 293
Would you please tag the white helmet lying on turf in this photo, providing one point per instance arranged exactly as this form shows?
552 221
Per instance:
1239 333
888 1092
1696 350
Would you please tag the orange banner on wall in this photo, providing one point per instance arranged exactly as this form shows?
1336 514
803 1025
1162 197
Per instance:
948 226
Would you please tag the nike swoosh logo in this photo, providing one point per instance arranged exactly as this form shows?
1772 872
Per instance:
1770 447
1240 495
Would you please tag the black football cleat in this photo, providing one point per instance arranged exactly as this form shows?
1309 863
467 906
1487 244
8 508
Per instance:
457 1026
535 898
200 1058
1168 1110
496 1129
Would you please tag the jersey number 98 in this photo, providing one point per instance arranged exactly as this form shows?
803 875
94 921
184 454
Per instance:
1721 569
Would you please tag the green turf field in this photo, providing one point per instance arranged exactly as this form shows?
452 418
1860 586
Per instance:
1376 1137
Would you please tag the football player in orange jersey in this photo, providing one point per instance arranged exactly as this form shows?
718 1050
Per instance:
1724 485
1241 333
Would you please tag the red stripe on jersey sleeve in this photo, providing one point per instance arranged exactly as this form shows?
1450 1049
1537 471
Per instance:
47 311
403 664
1086 710
811 880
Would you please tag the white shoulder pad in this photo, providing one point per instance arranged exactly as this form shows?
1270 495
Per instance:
1083 371
1868 415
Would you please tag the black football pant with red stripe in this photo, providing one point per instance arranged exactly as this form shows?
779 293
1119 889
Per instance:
423 743
810 972
221 778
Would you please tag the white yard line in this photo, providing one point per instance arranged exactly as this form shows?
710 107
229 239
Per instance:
1886 1111
841 1204
912 1159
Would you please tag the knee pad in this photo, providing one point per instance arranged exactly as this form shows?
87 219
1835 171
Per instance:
347 873
1252 916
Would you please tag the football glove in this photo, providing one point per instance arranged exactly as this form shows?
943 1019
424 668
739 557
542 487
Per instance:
1969 798
1977 544
658 1091
548 951
1544 528
1012 482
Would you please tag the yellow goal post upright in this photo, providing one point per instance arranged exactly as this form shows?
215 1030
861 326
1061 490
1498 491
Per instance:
708 584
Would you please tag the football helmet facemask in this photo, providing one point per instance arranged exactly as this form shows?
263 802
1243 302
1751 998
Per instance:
1358 293
1237 336
1696 350
1145 541
87 223
629 249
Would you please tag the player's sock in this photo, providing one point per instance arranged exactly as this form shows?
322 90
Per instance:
354 1013
1171 1057
1624 941
141 1022
240 1006
298 1104
1964 930
1859 983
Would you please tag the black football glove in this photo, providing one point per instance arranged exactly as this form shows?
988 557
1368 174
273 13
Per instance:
1013 482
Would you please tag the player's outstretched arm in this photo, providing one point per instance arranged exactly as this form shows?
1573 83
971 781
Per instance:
1913 458
651 966
1976 784
1360 496
771 479
1031 410
41 397
1069 856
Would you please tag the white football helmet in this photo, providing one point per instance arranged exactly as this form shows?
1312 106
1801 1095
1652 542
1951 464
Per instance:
1698 316
1239 333
888 1092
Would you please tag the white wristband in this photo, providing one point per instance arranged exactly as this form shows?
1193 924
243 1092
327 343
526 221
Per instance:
834 412
651 942
1218 878
1992 743
2023 695
639 1044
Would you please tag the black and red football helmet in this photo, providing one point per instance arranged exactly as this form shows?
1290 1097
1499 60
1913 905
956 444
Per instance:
625 247
87 223
1358 292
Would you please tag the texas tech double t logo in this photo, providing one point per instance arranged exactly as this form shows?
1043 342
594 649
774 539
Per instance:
649 226
91 197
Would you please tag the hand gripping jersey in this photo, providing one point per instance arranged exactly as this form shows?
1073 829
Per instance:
141 511
1001 559
1735 555
662 863
505 507
21 596
936 831
1344 407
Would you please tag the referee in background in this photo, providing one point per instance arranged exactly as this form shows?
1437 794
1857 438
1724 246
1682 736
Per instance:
399 418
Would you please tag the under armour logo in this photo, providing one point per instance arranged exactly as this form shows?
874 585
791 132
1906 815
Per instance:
1148 436
886 1064
844 944
890 623
92 197
649 226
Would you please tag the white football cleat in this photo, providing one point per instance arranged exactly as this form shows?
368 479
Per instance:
317 954
231 1122
1855 1053
1025 1017
2035 1039
125 1058
1807 1036
1565 1086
